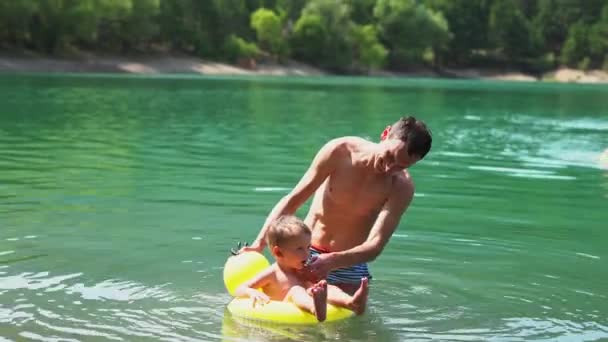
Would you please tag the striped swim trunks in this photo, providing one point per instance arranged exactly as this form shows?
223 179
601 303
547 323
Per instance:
346 275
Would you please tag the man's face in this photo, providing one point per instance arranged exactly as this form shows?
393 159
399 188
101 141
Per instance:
394 157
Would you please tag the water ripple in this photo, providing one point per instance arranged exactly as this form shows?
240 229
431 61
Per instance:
519 172
119 290
34 281
119 199
77 331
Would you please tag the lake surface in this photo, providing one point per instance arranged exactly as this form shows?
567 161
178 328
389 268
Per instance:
121 196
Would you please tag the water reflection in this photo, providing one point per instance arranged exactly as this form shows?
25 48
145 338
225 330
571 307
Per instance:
120 198
603 165
119 291
603 160
369 327
63 306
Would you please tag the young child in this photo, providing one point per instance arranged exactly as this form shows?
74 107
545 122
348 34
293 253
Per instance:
288 239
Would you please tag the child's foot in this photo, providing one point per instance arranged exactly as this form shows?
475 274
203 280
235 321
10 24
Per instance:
319 295
360 297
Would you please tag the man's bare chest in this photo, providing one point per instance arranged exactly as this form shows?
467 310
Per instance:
359 193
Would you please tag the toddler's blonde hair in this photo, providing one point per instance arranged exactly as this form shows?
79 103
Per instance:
285 228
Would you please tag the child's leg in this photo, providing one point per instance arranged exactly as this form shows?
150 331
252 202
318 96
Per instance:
314 301
337 297
297 295
356 302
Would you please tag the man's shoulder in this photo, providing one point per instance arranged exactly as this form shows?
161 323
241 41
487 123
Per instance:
339 146
403 184
345 144
344 141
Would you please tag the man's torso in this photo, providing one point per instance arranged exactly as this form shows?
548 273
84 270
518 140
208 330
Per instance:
346 205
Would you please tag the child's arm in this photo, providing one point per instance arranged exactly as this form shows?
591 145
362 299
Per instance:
250 287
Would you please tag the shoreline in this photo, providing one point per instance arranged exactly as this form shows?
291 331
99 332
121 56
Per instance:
179 64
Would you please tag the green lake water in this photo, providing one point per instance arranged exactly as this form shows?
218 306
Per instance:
121 196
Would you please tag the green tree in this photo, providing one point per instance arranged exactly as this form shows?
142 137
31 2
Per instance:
362 11
236 48
510 30
369 52
309 37
111 35
410 30
292 8
234 17
142 25
341 35
322 35
269 30
175 22
195 26
468 23
598 39
554 18
576 47
57 25
128 25
14 20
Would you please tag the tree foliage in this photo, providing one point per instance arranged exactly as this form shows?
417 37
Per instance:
369 52
410 29
509 30
341 35
322 34
468 26
269 31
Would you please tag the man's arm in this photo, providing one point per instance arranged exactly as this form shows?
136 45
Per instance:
321 167
384 227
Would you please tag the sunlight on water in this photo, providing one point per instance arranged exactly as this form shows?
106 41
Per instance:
529 173
271 189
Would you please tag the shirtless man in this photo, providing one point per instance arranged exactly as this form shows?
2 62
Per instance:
361 191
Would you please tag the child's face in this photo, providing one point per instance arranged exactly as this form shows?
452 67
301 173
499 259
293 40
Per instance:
295 252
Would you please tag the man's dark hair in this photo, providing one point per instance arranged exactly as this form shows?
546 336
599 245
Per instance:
413 132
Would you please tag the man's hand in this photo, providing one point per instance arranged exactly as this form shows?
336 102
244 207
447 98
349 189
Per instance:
320 266
256 246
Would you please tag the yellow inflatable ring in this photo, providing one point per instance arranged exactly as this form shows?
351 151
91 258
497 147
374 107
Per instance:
242 267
